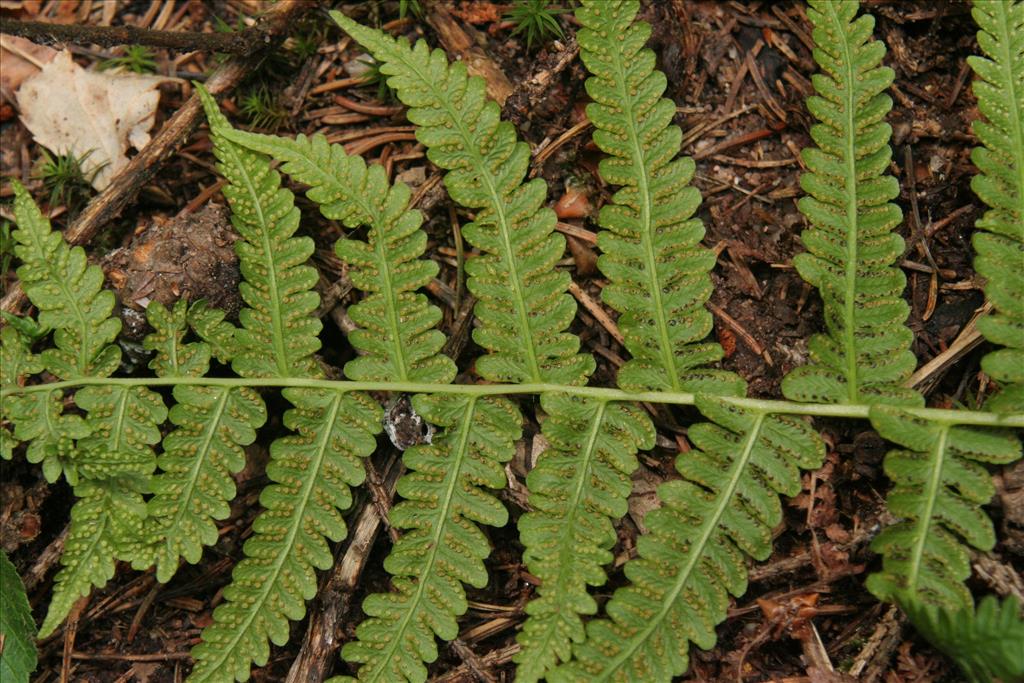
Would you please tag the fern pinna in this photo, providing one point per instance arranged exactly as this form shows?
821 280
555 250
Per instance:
865 357
999 87
108 456
155 508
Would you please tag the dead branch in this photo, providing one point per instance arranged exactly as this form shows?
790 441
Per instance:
243 43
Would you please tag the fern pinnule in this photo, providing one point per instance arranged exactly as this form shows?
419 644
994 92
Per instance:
441 547
212 425
940 484
865 356
693 556
522 303
396 334
313 468
999 245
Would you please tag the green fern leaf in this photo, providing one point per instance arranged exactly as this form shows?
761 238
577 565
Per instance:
114 464
441 548
68 293
69 296
277 285
999 87
576 489
522 302
313 469
694 554
939 489
659 273
851 247
213 424
987 643
18 658
396 332
111 461
659 281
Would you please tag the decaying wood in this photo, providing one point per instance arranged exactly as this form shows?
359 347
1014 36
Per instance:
457 42
242 43
334 599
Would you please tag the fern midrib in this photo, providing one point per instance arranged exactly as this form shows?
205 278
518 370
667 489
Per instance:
853 228
442 508
657 309
696 551
566 538
498 207
274 302
115 446
254 607
1010 83
575 504
199 458
978 418
924 522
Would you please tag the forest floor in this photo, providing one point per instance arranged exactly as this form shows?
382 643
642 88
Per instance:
739 73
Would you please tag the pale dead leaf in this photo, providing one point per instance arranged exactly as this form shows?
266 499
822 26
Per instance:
68 109
19 59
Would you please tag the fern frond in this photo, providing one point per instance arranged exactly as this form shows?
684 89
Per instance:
522 302
441 548
658 271
114 464
940 486
999 87
311 470
987 643
70 298
694 554
212 425
396 332
659 282
577 487
851 247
